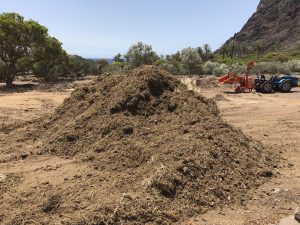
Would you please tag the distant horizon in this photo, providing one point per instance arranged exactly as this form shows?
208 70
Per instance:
102 29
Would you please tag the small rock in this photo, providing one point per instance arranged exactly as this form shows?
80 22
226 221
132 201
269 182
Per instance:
275 190
71 138
24 156
128 130
45 182
2 178
184 130
266 174
100 149
172 107
77 176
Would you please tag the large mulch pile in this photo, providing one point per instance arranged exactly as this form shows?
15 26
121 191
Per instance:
155 152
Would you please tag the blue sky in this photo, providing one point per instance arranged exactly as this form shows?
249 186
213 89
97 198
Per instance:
102 28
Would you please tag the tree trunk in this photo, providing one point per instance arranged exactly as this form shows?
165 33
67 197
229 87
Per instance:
10 74
9 80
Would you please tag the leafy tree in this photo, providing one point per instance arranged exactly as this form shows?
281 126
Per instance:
232 48
118 58
207 53
224 50
101 64
140 54
191 59
258 48
48 57
116 67
22 44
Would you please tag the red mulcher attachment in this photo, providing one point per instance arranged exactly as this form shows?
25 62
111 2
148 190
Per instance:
245 82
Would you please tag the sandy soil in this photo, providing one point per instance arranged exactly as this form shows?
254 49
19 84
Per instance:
273 119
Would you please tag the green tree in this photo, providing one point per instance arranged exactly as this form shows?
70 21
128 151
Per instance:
47 58
207 53
22 42
101 64
191 59
224 50
258 48
140 54
118 58
232 48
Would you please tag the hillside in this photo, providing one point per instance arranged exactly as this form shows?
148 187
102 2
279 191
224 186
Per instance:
275 24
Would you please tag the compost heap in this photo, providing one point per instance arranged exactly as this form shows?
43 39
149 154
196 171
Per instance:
156 152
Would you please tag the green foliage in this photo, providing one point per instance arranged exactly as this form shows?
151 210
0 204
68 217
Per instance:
48 58
205 53
276 56
140 54
2 70
271 68
101 64
219 69
78 66
116 67
294 65
24 43
118 58
191 60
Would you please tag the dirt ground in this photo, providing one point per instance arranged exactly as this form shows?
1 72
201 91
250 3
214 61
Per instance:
273 119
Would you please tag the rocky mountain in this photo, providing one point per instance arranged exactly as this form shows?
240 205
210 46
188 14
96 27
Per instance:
275 24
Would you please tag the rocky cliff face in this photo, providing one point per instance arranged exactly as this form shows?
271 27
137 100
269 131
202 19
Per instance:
275 24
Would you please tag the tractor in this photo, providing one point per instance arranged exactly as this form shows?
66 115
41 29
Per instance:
277 83
245 83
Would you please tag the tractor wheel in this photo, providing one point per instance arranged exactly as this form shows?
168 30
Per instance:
257 87
285 86
266 87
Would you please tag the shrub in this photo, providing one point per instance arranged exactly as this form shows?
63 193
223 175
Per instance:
208 67
237 68
276 57
116 67
191 60
171 68
294 65
221 70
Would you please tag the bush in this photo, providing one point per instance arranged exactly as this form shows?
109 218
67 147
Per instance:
221 70
215 68
294 65
116 67
208 67
276 57
237 68
171 68
272 68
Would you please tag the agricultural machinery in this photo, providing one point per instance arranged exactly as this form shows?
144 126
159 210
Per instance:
245 83
260 84
277 83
